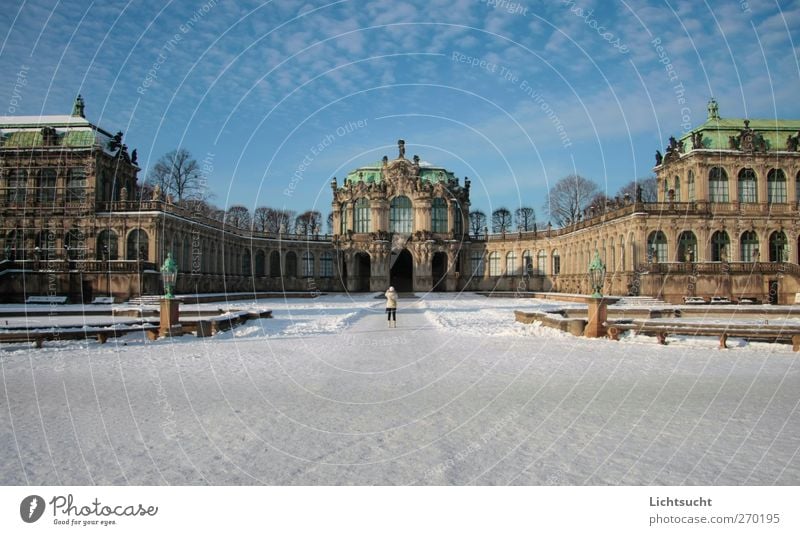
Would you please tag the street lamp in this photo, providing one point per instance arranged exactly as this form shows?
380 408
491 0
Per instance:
169 274
597 275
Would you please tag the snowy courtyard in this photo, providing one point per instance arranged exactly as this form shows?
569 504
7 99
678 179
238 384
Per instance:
457 394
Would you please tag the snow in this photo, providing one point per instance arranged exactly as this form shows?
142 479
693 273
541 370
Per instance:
458 393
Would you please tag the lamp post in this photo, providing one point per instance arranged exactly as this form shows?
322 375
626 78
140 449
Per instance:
169 305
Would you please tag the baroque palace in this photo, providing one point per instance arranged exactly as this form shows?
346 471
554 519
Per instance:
74 221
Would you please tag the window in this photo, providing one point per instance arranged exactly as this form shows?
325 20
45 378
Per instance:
541 262
797 187
718 185
527 263
690 184
75 243
511 263
776 186
326 265
137 245
719 246
400 215
362 216
458 220
748 192
76 184
494 264
439 215
261 270
246 260
17 186
275 264
47 186
677 188
657 247
556 263
46 244
687 247
343 218
308 264
476 260
291 264
777 247
107 245
749 246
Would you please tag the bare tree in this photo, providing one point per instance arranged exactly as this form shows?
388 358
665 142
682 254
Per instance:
501 220
649 187
477 221
307 223
280 221
179 175
568 198
239 216
598 201
261 218
526 218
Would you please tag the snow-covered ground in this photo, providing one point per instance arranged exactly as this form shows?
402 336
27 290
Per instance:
325 393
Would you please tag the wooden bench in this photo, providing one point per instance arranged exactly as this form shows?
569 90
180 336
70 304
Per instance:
767 333
46 300
101 335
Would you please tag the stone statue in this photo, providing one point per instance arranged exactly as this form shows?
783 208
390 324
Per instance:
697 140
157 192
659 157
134 157
638 193
123 194
401 146
733 142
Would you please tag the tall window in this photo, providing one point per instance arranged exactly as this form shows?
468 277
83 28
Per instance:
400 215
797 187
748 191
541 262
720 243
46 242
687 247
17 186
749 246
458 220
76 184
326 264
137 245
343 218
75 242
494 264
107 245
476 261
246 258
778 251
776 186
362 216
275 264
718 185
527 263
47 186
690 186
556 262
291 264
511 263
677 188
308 264
439 215
657 246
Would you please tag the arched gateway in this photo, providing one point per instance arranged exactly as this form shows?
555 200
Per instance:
401 275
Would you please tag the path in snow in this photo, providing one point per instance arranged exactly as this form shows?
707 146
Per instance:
326 394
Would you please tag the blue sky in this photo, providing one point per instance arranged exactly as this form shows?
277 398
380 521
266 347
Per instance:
278 97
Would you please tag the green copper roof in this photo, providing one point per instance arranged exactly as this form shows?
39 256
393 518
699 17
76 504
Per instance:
23 139
372 173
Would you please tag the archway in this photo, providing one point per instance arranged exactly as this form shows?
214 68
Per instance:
401 275
363 268
438 270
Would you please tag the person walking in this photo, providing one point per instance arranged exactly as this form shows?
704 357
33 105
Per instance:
391 306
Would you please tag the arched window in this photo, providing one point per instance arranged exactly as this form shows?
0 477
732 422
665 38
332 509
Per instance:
400 215
776 186
511 264
720 243
778 252
718 185
748 191
690 186
677 188
138 246
107 246
326 264
749 246
527 263
46 244
556 262
13 247
657 247
476 260
246 263
261 264
343 219
275 264
687 247
17 186
47 186
76 184
362 217
458 220
291 264
308 264
494 264
75 243
541 262
438 215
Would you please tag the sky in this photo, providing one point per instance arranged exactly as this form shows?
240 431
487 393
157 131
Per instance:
275 98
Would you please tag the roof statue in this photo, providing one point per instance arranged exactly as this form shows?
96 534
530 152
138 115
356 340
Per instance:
713 109
401 145
78 107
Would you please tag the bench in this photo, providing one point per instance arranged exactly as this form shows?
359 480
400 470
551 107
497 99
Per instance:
46 300
766 333
101 335
103 301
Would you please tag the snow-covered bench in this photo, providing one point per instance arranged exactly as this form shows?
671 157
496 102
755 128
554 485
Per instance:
766 333
103 301
46 300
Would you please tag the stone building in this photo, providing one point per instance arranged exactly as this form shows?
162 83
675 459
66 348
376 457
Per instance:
73 222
